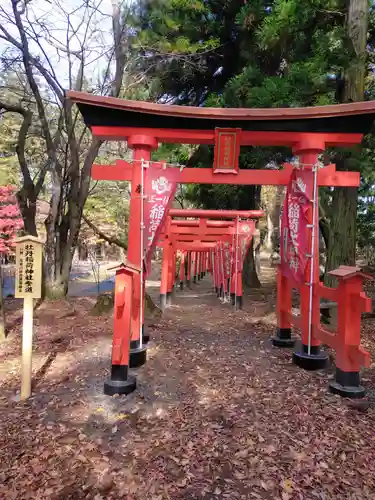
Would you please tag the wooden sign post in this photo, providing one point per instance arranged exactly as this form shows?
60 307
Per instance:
28 287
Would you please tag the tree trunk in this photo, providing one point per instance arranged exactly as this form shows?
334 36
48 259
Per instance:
272 199
27 206
55 282
250 276
58 260
2 310
268 242
342 239
343 230
357 31
276 214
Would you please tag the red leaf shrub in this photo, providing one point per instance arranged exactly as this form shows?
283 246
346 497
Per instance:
10 219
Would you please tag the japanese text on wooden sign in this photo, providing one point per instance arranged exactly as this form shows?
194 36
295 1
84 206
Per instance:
227 150
28 269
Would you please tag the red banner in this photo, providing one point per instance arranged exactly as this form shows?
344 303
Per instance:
246 231
159 190
241 243
294 244
227 150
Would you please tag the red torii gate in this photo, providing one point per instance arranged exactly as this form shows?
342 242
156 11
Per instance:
177 234
307 131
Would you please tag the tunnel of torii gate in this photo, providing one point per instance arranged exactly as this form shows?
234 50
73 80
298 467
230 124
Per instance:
200 243
306 131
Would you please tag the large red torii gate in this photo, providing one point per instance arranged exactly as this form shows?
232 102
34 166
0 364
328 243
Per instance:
204 234
307 131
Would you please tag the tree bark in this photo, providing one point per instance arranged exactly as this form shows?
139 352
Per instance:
342 239
27 205
343 230
358 15
268 242
271 200
250 276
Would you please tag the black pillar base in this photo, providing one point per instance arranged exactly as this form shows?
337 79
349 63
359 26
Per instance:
169 299
194 279
283 338
163 301
347 385
120 382
145 336
138 355
317 360
232 298
112 387
199 276
221 292
188 283
202 275
181 285
217 290
238 302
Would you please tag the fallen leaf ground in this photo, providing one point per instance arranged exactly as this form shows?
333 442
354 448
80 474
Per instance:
218 413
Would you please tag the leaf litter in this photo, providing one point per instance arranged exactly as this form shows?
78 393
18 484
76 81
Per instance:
218 414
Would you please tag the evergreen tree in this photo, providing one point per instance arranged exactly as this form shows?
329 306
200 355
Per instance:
283 53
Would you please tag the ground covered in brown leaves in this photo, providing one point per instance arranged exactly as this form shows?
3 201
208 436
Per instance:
218 414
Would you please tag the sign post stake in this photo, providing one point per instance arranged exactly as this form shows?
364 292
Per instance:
27 347
28 287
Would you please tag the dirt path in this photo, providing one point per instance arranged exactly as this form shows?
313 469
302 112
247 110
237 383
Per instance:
218 414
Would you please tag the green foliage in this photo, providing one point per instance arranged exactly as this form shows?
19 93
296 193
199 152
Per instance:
281 53
108 208
14 90
267 54
9 169
186 41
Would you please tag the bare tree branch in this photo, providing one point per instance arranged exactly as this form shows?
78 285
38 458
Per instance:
35 61
22 135
33 85
112 240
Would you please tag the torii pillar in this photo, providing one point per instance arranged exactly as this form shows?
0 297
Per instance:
142 146
308 151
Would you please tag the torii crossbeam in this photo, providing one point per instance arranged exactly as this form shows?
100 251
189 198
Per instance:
328 176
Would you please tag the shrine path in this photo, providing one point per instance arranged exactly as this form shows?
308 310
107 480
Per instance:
218 413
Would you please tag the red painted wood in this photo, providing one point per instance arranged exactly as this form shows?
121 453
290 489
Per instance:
197 223
244 177
167 249
284 300
182 266
122 317
227 150
188 277
351 302
325 292
210 231
326 337
194 247
176 238
142 147
247 138
229 214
